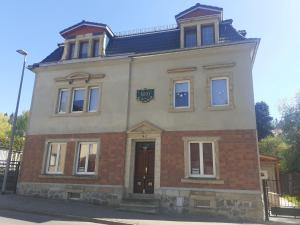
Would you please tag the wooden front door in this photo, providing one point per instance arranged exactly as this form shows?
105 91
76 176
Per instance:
144 167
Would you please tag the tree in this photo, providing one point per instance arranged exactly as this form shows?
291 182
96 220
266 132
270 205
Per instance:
4 125
263 120
21 124
290 125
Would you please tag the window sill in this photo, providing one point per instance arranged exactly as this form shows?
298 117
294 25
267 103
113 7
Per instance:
201 180
220 108
75 114
59 176
178 110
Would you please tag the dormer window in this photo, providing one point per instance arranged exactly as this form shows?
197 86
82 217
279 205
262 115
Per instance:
95 48
190 37
83 49
207 34
71 51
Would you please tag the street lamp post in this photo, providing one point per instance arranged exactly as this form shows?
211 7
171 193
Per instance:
12 138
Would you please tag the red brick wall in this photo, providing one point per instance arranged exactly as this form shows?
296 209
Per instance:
111 160
238 160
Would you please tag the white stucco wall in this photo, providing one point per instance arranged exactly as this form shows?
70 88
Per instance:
150 72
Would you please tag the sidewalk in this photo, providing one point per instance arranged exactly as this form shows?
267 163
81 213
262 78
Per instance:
78 211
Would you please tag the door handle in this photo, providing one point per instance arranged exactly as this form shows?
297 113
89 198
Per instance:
146 170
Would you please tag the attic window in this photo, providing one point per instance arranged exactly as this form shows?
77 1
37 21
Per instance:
83 49
190 37
95 48
207 34
71 51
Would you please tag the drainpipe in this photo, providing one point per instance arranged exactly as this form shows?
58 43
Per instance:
129 93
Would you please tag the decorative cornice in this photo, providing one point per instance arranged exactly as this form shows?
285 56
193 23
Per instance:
182 69
79 76
218 66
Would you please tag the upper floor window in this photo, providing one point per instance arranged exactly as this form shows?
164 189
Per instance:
219 91
86 158
190 37
181 94
207 34
63 100
83 49
95 48
71 54
94 99
78 100
56 158
202 159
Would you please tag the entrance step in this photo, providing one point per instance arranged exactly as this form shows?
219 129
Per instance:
142 203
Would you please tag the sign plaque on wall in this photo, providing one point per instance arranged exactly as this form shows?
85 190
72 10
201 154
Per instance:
145 95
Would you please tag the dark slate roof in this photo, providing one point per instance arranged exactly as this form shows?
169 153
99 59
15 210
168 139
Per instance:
144 43
151 42
195 7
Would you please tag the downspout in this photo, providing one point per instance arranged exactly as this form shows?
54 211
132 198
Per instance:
129 93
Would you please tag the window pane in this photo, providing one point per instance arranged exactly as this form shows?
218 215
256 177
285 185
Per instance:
92 158
219 92
83 51
78 100
182 94
190 37
208 159
94 99
62 155
71 51
83 152
96 48
53 148
195 158
63 99
207 35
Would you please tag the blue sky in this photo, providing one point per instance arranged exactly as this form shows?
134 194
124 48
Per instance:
35 25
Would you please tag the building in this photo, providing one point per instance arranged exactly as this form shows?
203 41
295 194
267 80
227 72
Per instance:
269 166
167 114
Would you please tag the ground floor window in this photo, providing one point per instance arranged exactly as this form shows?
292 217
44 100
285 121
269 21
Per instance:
86 158
56 158
202 159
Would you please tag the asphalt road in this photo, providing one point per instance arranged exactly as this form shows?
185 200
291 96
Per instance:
8 217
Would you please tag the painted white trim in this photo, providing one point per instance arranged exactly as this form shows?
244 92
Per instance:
73 91
89 99
211 91
86 158
189 92
59 100
49 149
202 175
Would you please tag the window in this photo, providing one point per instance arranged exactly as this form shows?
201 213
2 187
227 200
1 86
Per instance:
78 100
71 51
202 159
95 48
182 94
190 37
93 99
63 100
219 92
56 158
86 161
207 34
83 49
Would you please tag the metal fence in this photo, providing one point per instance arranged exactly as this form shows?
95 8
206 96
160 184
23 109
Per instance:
12 174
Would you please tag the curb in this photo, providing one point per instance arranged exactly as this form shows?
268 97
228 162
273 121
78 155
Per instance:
66 216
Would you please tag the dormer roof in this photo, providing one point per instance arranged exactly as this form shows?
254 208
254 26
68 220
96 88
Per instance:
199 10
85 27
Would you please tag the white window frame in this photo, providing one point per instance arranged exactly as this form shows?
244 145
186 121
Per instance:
201 159
59 100
57 159
211 91
174 94
86 159
89 99
84 99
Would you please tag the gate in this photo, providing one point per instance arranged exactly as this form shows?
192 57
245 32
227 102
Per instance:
278 202
13 174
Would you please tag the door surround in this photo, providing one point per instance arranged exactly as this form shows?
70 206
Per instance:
142 132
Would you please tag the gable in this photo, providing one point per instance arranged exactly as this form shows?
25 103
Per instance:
84 29
145 127
199 12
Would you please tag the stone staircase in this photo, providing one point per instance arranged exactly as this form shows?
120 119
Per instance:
143 203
